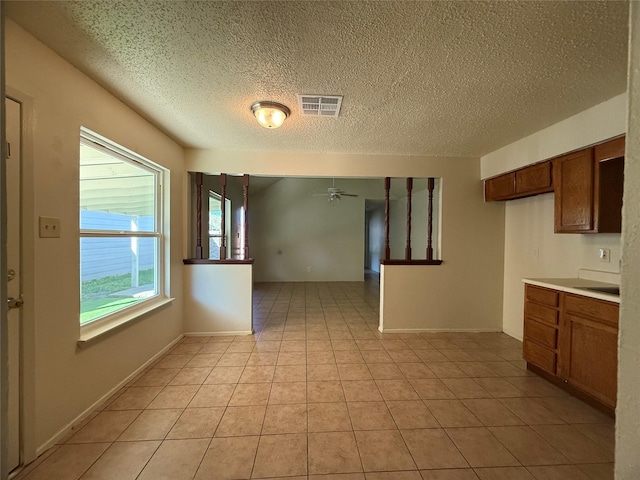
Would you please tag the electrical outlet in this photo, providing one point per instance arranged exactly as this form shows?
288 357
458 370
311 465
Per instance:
49 227
605 255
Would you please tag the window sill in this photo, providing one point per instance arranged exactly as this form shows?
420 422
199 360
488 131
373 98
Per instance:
91 332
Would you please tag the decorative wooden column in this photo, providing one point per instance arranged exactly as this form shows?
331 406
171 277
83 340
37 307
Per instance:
245 199
387 187
198 251
223 229
407 250
430 187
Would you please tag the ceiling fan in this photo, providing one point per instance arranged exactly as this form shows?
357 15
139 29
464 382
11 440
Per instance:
334 193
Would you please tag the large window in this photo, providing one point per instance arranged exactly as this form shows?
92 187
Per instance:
120 229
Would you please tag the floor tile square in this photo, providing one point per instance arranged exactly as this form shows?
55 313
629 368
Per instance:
333 453
383 451
202 360
191 376
396 390
465 388
361 391
281 456
452 413
157 377
224 375
317 373
480 448
250 394
412 414
257 374
385 371
228 458
328 417
285 419
431 389
453 474
356 371
370 416
122 460
151 425
324 392
531 412
196 423
241 421
175 459
213 395
290 373
504 473
491 412
527 446
320 358
432 449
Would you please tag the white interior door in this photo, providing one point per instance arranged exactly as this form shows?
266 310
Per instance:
14 281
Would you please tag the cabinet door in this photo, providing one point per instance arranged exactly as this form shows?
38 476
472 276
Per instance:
500 188
590 357
534 179
573 178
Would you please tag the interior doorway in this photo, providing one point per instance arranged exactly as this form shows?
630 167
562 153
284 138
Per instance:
373 236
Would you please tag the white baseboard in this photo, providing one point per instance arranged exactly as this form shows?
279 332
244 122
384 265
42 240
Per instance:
67 428
433 330
218 334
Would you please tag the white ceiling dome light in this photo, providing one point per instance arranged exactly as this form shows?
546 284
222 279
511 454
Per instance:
270 114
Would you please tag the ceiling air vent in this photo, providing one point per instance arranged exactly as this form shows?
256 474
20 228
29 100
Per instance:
320 105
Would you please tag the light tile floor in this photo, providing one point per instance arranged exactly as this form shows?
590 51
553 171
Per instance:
319 393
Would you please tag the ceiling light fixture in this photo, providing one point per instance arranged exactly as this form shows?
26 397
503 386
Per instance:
270 114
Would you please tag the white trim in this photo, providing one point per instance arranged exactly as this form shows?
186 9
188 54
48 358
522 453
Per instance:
460 330
218 334
92 330
70 426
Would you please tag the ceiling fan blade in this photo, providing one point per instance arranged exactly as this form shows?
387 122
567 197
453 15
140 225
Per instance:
348 194
320 195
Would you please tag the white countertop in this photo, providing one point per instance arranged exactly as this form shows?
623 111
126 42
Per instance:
575 286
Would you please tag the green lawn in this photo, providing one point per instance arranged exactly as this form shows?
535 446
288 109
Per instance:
92 309
96 300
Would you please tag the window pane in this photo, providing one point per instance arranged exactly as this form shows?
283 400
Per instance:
115 273
114 194
214 248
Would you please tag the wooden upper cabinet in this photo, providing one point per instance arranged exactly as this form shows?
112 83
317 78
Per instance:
521 183
588 189
574 188
500 188
534 179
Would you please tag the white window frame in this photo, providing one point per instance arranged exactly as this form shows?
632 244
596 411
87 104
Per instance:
101 325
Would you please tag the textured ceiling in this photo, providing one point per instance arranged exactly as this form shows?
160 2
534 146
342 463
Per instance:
419 78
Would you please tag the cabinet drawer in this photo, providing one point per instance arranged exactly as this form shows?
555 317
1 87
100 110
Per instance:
540 313
541 333
541 295
599 310
539 356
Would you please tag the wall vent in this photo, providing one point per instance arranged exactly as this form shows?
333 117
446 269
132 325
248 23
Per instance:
320 105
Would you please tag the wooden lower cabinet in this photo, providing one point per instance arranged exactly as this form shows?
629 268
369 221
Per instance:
580 349
589 346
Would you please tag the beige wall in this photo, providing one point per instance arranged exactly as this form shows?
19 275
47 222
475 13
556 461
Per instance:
293 231
466 291
66 380
593 125
627 418
531 249
228 312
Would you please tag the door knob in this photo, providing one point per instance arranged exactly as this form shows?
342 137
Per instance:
15 302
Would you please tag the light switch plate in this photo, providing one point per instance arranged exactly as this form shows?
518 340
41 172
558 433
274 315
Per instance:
49 227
